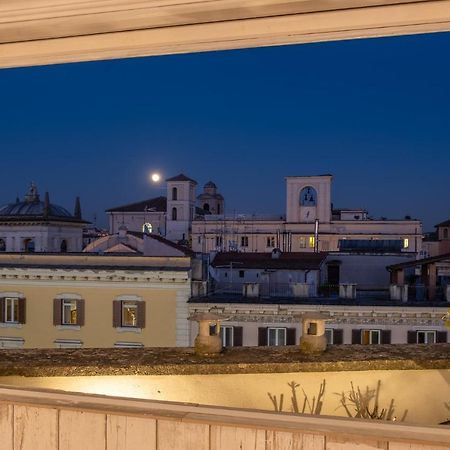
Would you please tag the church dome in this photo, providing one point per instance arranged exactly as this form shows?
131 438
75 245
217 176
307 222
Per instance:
33 206
210 184
33 209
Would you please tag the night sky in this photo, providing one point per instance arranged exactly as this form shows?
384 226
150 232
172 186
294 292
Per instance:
374 113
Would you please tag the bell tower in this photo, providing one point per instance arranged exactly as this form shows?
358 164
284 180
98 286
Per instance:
308 199
180 207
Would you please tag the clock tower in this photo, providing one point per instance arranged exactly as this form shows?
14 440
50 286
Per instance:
308 199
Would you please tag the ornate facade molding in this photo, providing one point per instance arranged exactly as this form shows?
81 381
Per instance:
383 315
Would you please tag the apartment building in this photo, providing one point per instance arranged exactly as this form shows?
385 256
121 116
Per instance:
91 300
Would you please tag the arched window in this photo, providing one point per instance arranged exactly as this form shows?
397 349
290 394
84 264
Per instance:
174 213
218 208
445 233
206 207
147 228
63 246
28 245
174 193
2 245
308 196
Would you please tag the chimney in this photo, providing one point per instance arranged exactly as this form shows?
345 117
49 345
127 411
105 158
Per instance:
77 210
208 340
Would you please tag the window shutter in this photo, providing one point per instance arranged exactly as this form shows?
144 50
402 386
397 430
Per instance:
290 336
237 336
2 309
22 310
385 336
117 313
338 336
356 336
141 314
441 337
80 313
57 311
412 337
262 336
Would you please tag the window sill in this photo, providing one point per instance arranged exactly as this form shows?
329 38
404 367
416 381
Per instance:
68 327
129 330
11 325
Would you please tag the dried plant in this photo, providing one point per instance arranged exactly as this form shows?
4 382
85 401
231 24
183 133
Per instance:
278 405
365 404
313 406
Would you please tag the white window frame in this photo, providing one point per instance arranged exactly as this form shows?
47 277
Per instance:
14 302
270 242
68 302
329 334
68 343
278 338
11 342
302 242
371 334
426 333
224 329
123 344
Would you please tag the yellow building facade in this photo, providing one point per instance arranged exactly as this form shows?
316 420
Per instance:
49 301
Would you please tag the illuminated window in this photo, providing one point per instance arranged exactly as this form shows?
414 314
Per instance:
302 242
11 310
276 336
147 228
312 241
369 337
244 241
405 243
129 314
69 312
426 337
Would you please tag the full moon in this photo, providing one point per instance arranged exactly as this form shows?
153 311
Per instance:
155 177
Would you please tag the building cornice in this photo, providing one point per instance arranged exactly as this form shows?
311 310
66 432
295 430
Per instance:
85 277
362 315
